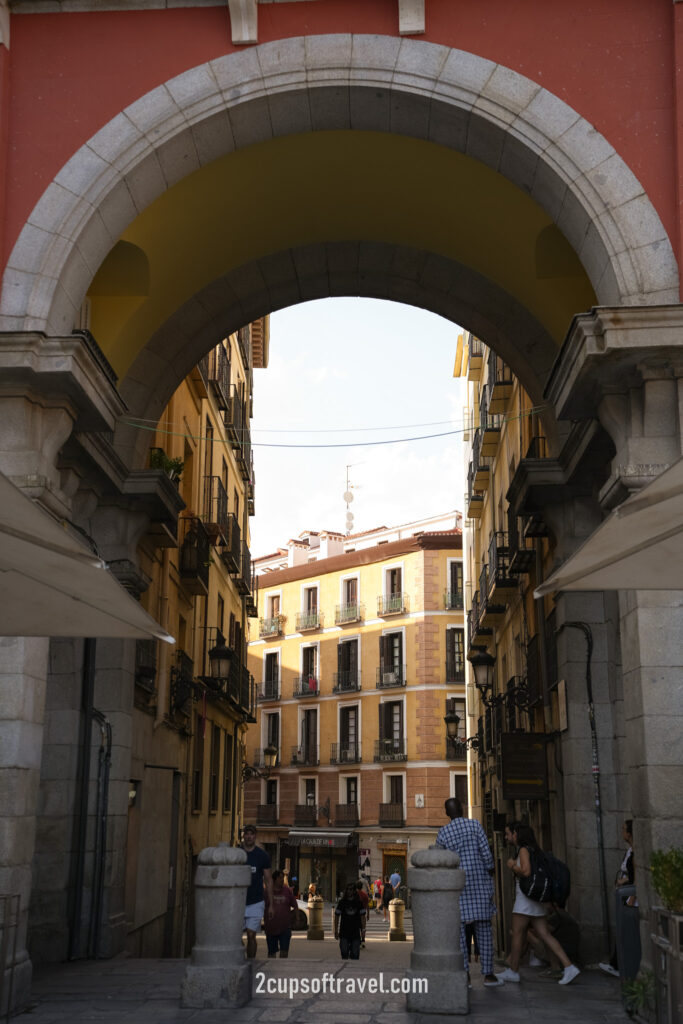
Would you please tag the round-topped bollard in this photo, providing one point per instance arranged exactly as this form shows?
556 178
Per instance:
435 882
219 975
397 932
315 918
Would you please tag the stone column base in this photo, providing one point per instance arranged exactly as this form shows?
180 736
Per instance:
217 988
316 933
396 935
445 993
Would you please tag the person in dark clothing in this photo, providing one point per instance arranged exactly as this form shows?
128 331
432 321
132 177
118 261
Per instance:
365 903
387 896
279 924
625 876
259 862
349 923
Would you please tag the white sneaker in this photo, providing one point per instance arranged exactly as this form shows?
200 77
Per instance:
608 969
508 975
569 974
535 962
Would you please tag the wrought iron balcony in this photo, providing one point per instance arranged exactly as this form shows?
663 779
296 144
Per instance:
305 815
392 749
243 453
243 577
235 417
306 686
476 358
194 556
499 382
251 488
344 753
269 690
522 552
252 598
501 583
216 365
231 552
344 613
391 816
453 600
346 682
306 754
346 815
390 676
181 683
308 621
392 604
271 626
267 814
455 669
244 342
456 750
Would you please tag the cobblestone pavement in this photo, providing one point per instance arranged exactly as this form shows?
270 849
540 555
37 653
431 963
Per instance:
131 991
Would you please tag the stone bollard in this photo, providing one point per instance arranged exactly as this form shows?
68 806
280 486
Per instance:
315 918
436 882
396 928
219 975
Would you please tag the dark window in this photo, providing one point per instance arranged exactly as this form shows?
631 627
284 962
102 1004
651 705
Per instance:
309 662
271 791
351 591
309 791
227 772
396 789
391 720
311 600
198 762
456 583
272 668
455 655
214 763
273 731
394 581
348 728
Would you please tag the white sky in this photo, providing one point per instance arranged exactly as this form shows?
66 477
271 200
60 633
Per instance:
340 365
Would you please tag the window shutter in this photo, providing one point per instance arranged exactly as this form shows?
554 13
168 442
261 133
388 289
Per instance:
340 658
353 656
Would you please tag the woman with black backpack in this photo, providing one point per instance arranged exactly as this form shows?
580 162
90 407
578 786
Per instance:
526 911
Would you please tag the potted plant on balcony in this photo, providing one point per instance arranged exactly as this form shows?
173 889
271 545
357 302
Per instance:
667 923
173 468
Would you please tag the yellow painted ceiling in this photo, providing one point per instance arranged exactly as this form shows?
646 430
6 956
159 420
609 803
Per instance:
330 187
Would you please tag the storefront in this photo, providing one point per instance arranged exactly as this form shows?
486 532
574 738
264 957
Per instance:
327 858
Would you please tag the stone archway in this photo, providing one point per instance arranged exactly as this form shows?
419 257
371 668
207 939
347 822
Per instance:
365 83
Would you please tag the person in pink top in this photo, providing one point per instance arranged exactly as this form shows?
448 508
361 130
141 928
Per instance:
279 924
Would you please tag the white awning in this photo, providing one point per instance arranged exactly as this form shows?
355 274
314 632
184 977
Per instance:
52 585
639 547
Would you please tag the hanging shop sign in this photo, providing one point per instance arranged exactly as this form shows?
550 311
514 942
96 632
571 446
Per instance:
523 766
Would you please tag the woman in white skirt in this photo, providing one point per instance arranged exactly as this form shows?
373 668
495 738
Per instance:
528 912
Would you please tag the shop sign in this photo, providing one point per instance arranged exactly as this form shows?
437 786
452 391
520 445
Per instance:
523 766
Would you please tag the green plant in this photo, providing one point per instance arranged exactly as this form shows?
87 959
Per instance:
667 877
639 993
158 459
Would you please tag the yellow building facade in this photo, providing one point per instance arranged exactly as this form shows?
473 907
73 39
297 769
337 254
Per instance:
191 714
514 773
358 646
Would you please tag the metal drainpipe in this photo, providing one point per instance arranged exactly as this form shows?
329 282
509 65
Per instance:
100 851
81 828
595 769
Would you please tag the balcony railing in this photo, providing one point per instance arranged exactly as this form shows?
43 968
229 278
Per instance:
348 613
243 577
393 749
344 753
346 682
456 750
244 342
232 549
346 815
267 814
215 510
194 556
306 815
499 382
269 690
243 453
181 683
251 488
307 754
306 686
392 604
308 621
476 358
235 417
453 600
521 548
390 676
252 598
391 816
271 626
455 669
501 582
217 368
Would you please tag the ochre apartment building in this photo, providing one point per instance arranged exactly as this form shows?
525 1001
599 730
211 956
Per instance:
358 645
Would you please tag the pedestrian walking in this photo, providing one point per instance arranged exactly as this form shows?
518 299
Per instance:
387 895
349 923
395 880
527 912
261 885
468 839
365 903
279 924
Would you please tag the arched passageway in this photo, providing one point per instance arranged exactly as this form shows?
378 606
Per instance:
342 166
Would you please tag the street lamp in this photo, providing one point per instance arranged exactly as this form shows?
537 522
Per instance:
482 665
249 771
452 721
220 657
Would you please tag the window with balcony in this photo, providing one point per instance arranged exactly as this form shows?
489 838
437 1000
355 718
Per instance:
454 593
272 729
391 813
349 610
455 655
391 671
267 812
348 674
307 751
456 749
309 617
271 676
306 685
391 745
349 749
392 601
